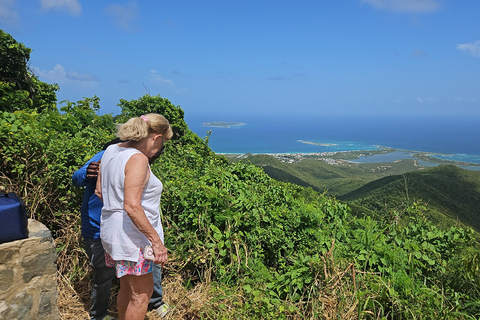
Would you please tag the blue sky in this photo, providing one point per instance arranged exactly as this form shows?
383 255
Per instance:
368 57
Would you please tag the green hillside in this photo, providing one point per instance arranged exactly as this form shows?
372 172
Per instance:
452 193
446 195
449 191
337 179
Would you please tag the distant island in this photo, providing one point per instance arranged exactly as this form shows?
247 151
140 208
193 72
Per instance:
317 143
222 124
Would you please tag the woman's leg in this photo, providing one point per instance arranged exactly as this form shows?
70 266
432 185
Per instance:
133 296
123 297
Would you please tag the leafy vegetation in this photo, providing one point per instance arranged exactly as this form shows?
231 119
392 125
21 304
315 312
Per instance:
376 189
20 89
267 249
452 194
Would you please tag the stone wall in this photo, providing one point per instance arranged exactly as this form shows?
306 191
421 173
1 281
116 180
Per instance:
28 285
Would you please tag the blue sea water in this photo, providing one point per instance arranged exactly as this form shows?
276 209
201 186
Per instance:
451 138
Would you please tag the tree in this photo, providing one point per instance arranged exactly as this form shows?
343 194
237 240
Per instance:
154 104
20 89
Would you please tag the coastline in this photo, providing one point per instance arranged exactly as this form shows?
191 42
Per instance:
223 124
381 155
343 136
318 143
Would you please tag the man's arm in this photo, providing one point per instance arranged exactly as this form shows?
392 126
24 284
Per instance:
88 172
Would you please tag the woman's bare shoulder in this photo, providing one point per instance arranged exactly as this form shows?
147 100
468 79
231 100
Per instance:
137 160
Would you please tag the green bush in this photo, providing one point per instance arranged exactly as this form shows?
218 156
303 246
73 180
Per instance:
40 151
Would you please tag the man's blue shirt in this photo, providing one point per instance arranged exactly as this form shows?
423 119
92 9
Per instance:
91 206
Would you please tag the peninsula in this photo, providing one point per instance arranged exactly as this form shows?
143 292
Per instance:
222 124
317 143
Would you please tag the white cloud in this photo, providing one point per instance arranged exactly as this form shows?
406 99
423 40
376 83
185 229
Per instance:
8 15
418 53
72 6
181 91
155 77
465 100
405 5
74 75
281 78
158 81
473 48
59 75
124 15
290 65
277 78
422 100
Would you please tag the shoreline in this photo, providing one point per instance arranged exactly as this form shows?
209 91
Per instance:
223 124
351 155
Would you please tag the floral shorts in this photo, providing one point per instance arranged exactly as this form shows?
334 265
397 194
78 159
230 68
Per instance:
123 267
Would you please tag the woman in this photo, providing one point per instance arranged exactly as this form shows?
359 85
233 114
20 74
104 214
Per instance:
130 217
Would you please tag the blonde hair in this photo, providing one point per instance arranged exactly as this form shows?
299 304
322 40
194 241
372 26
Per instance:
137 129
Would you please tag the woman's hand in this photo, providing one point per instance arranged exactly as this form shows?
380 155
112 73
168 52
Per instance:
160 253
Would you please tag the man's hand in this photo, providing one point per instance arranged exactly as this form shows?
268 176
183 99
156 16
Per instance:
92 170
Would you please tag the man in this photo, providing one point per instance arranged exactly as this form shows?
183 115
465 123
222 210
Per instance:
102 278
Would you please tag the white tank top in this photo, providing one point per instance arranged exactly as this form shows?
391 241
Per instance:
120 237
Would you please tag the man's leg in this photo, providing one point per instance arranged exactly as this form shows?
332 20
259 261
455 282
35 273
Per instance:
101 281
157 296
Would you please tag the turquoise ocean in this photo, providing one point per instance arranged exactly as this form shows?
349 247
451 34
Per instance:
449 138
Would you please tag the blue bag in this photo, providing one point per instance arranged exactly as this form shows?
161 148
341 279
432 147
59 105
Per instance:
13 218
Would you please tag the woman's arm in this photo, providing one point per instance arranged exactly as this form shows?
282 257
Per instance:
98 187
137 174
